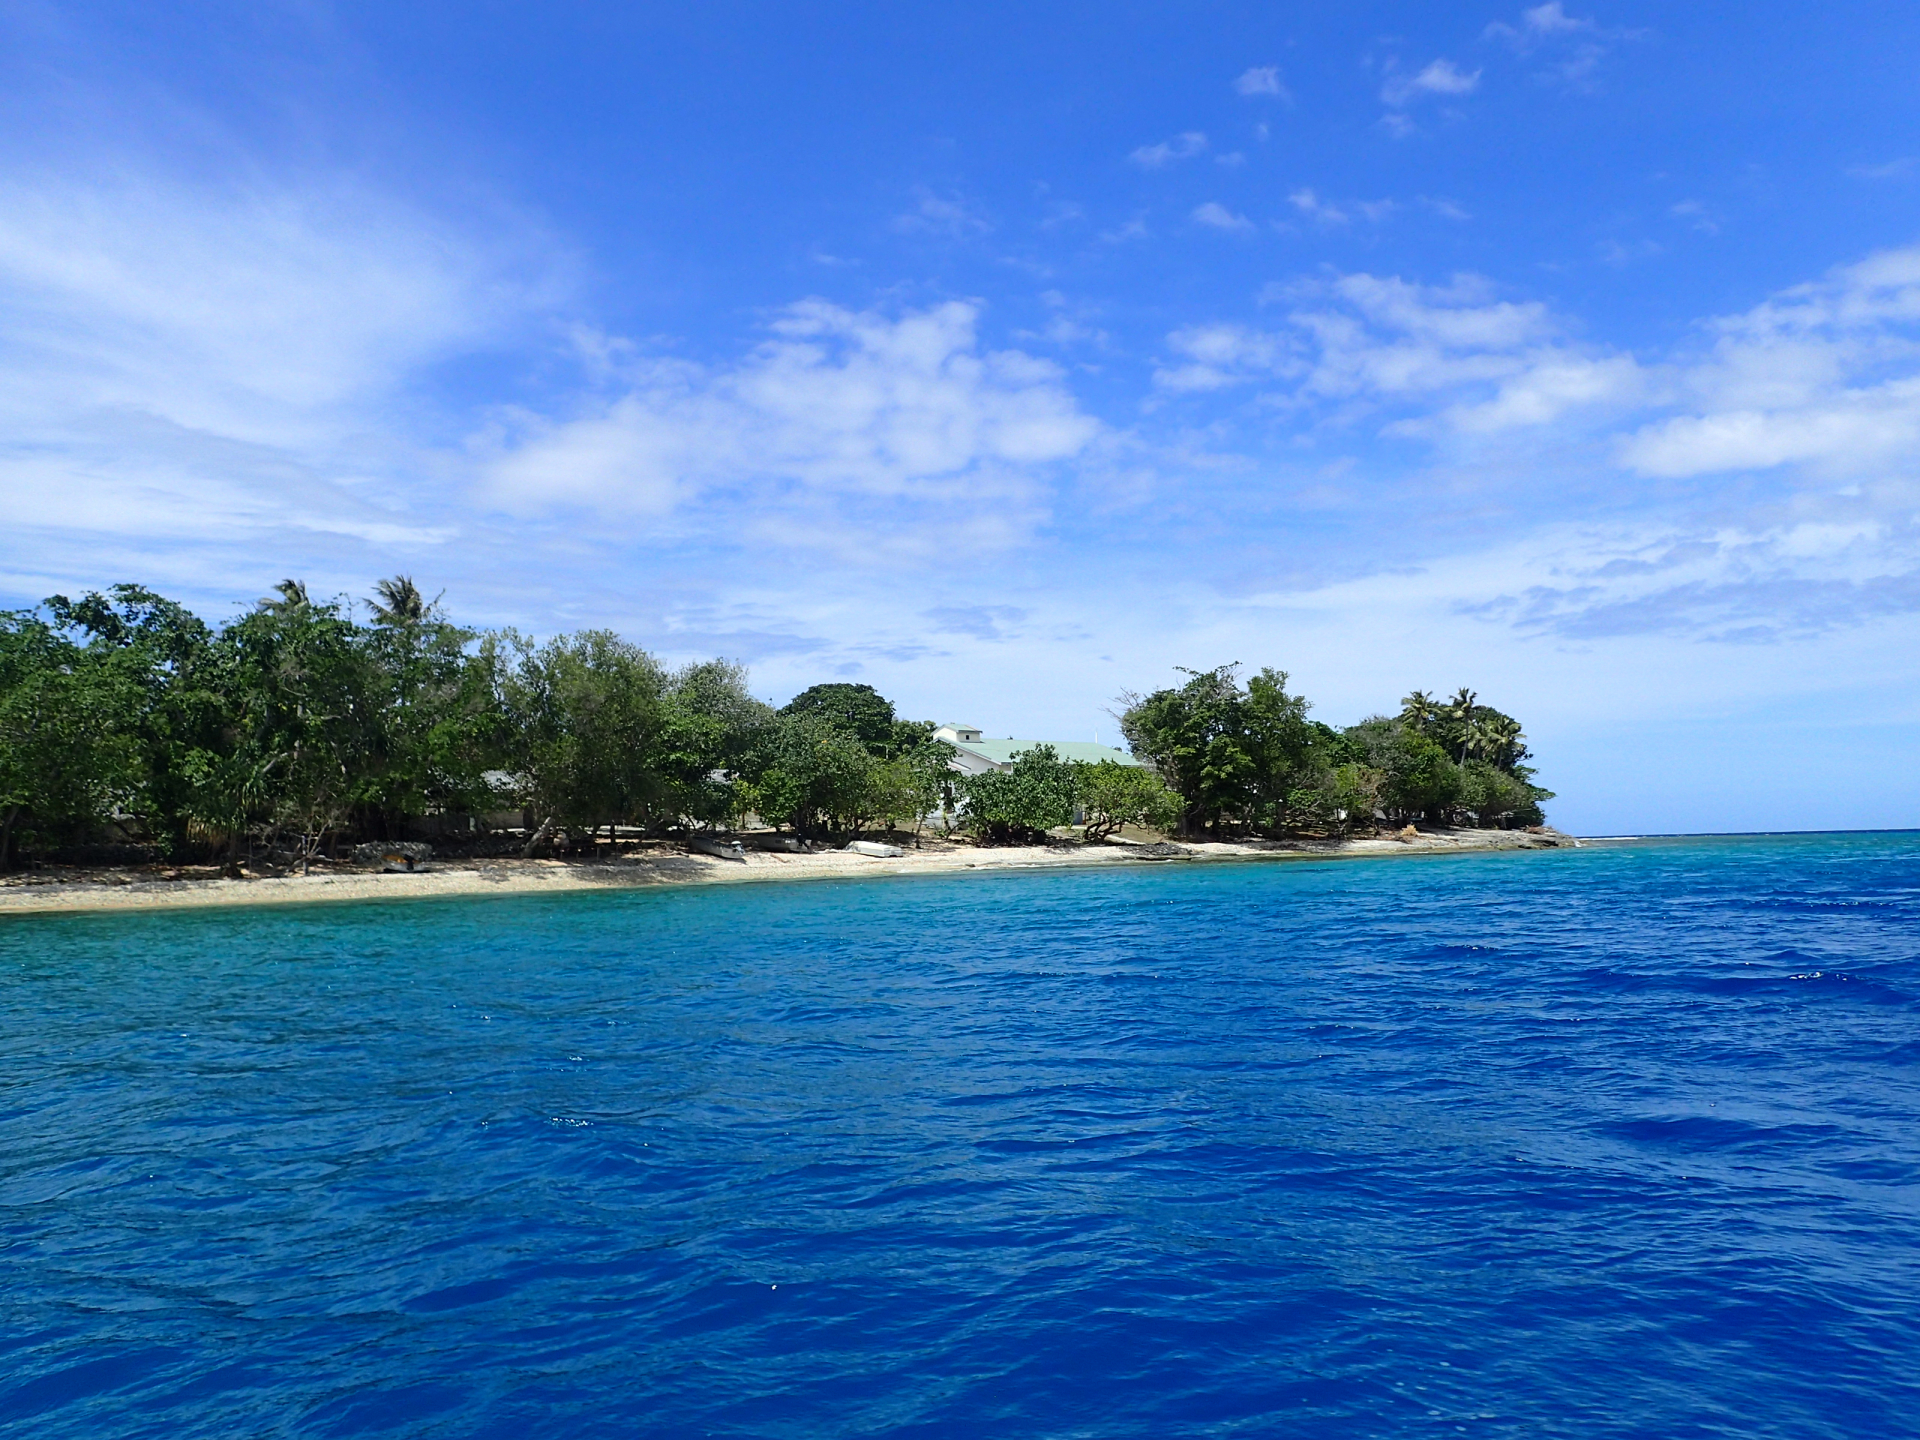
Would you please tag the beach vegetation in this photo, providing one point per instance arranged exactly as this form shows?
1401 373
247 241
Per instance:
1248 759
1022 803
1112 795
306 722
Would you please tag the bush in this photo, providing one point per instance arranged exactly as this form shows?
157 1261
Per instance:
1112 795
1019 805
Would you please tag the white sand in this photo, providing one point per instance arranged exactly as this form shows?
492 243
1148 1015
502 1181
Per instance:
131 889
42 891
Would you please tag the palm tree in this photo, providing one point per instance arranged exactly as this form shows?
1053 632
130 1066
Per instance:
1457 719
1418 710
292 596
399 602
1480 738
1509 744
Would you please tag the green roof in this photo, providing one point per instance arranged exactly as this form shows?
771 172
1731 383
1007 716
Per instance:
1001 752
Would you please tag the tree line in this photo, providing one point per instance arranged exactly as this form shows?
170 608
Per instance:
303 723
1246 759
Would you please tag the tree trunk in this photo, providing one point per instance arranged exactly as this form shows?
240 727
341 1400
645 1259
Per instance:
6 837
537 839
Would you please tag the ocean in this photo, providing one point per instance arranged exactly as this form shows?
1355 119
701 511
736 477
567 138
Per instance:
1616 1141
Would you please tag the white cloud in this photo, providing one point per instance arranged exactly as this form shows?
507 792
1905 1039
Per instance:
947 215
1310 204
1440 77
1182 147
1262 80
199 380
1436 359
1826 374
833 403
1216 216
1887 169
250 313
1696 215
1572 48
1314 208
1216 356
1539 22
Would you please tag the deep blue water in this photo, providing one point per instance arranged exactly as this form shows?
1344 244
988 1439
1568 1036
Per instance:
1612 1142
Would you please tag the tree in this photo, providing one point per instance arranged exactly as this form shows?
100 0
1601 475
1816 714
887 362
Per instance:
1355 791
434 723
918 780
1112 795
398 602
67 760
1238 758
1021 803
860 710
1453 760
300 724
1194 736
1289 756
583 717
164 653
814 775
711 727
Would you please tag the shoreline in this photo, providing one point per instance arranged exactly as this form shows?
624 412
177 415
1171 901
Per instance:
99 892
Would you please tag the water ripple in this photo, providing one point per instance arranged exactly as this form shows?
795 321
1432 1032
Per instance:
1616 1142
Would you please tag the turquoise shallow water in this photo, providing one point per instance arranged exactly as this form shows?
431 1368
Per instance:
1612 1142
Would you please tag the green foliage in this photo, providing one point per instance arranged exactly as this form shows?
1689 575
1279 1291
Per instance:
1354 792
1250 759
123 715
67 759
859 710
1496 796
814 775
1112 795
583 717
300 717
433 725
1239 758
164 652
712 726
835 761
1021 803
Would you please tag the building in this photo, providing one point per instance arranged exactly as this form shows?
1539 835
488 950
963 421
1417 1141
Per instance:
977 754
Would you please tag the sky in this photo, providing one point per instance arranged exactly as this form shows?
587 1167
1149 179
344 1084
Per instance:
1008 358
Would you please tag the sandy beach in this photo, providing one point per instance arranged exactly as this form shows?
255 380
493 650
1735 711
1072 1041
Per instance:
53 889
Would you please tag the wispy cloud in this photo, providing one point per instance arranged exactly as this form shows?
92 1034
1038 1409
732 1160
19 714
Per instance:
1825 375
1541 22
1181 147
1310 204
1423 359
1314 208
1213 357
1895 169
1262 80
951 216
1216 216
1439 77
835 408
1571 48
1697 216
205 375
981 622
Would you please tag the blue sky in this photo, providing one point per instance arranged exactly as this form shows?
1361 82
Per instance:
1008 360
